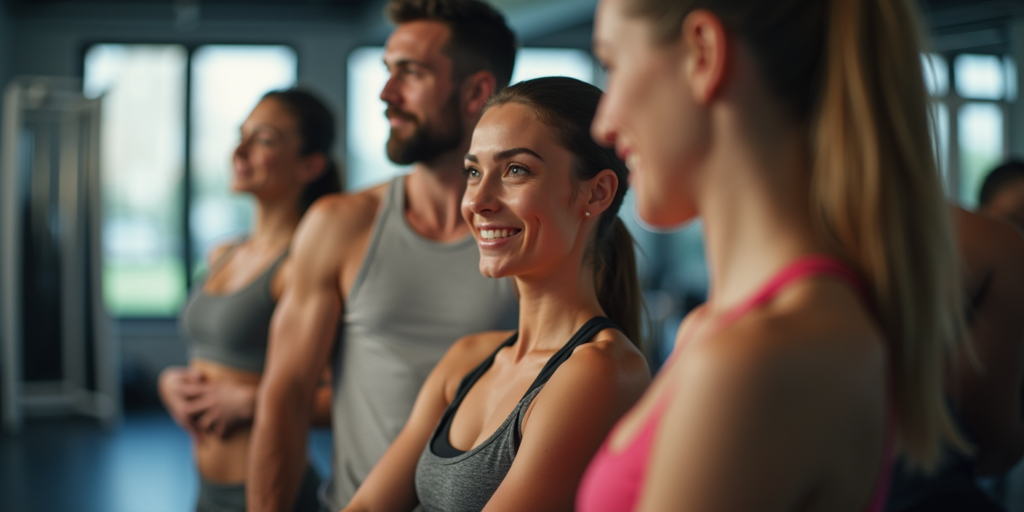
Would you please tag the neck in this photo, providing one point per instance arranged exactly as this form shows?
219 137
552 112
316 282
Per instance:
275 223
433 198
554 305
754 202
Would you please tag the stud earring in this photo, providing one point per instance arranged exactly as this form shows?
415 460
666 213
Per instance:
588 214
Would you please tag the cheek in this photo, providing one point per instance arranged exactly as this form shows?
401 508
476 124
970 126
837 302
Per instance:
672 139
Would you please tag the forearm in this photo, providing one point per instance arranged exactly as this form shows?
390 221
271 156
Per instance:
277 454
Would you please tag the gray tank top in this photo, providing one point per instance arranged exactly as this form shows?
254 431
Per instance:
232 329
450 480
411 300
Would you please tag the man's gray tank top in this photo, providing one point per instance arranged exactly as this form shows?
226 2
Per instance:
411 300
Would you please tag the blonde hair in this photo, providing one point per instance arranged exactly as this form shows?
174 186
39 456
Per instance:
851 71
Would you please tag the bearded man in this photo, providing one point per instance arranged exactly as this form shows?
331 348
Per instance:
395 264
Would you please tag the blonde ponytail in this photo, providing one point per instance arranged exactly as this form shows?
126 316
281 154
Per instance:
877 197
851 71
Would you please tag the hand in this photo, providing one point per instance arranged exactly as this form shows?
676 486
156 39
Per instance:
178 386
220 408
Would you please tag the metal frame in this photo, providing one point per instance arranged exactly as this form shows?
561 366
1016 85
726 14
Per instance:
82 312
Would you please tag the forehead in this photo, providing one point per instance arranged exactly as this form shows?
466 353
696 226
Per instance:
513 125
271 112
423 41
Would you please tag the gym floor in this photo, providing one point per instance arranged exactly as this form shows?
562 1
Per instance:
74 465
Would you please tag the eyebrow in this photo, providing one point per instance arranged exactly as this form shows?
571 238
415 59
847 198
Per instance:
506 154
406 62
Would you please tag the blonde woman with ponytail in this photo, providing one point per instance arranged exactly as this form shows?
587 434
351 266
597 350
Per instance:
798 131
508 421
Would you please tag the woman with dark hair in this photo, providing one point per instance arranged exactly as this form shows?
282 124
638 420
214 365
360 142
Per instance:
508 421
283 161
798 131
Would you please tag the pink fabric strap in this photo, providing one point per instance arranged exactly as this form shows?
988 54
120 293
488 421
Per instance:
802 267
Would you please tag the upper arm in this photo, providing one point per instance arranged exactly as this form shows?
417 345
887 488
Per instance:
990 394
391 485
305 321
570 418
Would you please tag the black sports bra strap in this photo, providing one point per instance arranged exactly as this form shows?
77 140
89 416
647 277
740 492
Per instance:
583 335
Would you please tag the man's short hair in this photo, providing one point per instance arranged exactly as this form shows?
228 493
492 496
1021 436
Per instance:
480 38
999 178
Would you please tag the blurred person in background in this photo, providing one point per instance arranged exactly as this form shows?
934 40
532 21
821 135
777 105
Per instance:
396 264
1002 194
985 385
282 161
798 132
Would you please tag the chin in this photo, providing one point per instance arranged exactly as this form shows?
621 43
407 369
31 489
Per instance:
492 271
674 217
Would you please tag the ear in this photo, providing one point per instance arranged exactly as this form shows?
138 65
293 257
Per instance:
706 52
476 90
313 165
599 192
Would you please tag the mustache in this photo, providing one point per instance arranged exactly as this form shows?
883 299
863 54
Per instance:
394 112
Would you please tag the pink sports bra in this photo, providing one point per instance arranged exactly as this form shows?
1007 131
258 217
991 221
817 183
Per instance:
613 481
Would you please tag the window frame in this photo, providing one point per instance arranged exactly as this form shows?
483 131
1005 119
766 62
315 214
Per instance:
187 172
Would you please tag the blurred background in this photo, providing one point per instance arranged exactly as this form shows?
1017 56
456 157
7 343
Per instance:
106 244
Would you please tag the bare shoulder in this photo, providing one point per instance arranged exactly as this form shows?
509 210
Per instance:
610 354
983 239
609 366
819 345
334 221
219 252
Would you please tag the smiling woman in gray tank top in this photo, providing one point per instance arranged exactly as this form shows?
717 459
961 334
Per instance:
282 162
509 420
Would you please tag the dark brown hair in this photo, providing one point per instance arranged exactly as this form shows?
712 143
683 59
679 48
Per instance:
1007 174
480 38
316 129
850 71
568 106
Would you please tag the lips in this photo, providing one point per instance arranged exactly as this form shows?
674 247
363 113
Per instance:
394 115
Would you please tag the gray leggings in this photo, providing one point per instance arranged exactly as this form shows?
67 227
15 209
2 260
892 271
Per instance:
214 497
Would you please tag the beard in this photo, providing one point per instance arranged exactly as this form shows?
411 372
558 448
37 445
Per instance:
429 139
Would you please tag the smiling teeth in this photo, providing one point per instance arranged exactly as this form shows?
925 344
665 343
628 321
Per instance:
494 234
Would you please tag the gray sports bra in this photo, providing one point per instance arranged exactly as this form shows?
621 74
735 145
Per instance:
450 480
232 329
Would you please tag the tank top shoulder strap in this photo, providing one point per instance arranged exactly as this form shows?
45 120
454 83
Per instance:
395 194
583 335
226 256
268 275
800 268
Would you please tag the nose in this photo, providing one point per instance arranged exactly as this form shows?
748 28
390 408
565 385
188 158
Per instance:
602 129
389 94
242 149
482 197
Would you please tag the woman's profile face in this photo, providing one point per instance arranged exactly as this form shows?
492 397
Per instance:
647 116
267 162
519 200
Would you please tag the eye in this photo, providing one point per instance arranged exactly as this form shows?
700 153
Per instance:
470 172
517 170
